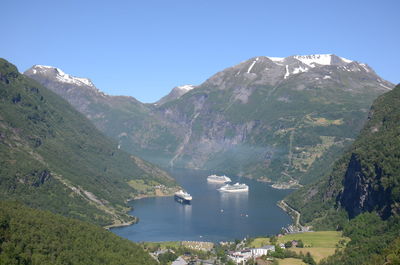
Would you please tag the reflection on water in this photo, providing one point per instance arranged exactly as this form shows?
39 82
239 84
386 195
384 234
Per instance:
185 211
234 199
214 186
211 216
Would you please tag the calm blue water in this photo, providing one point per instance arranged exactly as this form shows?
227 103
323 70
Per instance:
212 216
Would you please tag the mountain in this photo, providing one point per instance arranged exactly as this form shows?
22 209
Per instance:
175 93
366 178
361 195
53 158
276 119
31 236
130 122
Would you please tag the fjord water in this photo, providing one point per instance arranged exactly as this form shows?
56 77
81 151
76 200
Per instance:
212 216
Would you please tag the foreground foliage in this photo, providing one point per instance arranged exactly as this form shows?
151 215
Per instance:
30 236
373 241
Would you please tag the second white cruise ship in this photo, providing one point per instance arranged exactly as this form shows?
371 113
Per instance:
234 188
218 179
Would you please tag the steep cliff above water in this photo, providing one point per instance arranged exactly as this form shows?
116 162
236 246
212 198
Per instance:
366 178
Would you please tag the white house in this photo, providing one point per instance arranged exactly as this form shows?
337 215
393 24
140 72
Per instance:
179 261
258 252
237 258
240 256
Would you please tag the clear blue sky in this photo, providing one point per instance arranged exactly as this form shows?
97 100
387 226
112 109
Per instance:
145 48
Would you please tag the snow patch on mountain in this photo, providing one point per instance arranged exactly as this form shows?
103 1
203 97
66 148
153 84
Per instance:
185 88
346 60
311 60
251 66
61 76
382 85
300 69
365 67
321 59
276 59
287 72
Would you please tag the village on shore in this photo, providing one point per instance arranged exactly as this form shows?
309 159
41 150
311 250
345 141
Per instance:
290 243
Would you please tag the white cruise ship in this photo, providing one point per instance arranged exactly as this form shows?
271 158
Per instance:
218 179
183 197
234 188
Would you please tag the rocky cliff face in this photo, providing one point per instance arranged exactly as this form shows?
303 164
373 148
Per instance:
364 179
273 117
281 119
364 194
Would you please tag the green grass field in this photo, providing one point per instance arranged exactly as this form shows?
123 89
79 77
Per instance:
260 241
321 239
320 244
290 261
317 253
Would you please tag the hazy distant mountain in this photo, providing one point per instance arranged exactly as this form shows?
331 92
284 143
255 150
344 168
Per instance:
53 158
123 118
282 119
175 93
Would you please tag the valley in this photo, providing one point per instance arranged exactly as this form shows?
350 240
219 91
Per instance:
276 129
282 119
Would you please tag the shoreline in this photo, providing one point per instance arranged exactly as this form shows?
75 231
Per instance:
290 185
115 225
158 193
143 196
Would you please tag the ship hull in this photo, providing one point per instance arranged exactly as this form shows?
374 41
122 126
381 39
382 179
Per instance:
235 191
217 181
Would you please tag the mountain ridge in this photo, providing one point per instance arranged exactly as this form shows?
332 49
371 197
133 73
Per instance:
365 178
260 107
53 158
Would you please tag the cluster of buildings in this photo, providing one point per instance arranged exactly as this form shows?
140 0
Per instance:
252 253
182 261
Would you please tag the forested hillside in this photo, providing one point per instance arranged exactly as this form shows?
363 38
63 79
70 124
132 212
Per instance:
29 236
53 158
361 195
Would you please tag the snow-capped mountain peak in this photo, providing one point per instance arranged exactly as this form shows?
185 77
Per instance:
321 59
175 93
185 88
60 75
276 59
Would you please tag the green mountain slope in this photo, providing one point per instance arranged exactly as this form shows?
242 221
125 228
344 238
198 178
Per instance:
361 195
367 177
53 158
280 119
29 236
130 122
